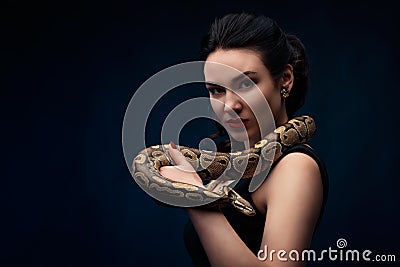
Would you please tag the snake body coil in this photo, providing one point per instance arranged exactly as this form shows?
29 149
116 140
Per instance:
218 170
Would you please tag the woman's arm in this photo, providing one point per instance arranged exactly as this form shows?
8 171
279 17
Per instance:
293 194
221 243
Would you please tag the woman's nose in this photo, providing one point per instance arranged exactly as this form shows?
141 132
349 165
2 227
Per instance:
232 102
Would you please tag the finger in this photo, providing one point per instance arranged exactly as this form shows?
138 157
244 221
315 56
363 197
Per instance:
172 173
175 154
179 159
172 144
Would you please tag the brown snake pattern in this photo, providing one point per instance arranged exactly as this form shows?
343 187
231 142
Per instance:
218 170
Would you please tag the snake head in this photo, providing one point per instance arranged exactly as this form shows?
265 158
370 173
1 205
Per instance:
240 203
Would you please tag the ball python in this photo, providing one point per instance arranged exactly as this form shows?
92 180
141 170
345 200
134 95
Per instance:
217 170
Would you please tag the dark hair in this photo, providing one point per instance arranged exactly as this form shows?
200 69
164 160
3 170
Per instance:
263 35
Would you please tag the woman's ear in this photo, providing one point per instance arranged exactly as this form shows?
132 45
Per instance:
287 77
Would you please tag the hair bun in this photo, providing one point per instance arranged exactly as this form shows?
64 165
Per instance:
298 59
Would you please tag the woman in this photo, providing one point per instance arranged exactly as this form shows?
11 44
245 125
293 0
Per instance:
290 201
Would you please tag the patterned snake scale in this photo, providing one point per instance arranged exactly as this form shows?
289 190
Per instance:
218 170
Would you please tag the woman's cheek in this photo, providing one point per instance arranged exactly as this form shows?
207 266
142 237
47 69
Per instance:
260 110
218 108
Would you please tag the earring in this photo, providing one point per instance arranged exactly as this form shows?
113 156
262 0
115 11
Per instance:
284 92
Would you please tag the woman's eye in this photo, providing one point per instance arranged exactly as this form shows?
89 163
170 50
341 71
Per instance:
216 90
246 84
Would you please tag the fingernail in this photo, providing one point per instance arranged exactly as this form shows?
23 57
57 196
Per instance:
172 144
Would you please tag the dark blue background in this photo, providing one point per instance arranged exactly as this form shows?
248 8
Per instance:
69 70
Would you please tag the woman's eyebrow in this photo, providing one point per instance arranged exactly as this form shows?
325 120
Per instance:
246 73
240 76
212 84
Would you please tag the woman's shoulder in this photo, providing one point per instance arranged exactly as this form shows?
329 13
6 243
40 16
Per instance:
299 171
303 148
302 156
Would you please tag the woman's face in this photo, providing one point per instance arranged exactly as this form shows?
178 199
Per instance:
240 98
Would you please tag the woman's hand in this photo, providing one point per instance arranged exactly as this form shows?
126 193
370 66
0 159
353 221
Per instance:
182 171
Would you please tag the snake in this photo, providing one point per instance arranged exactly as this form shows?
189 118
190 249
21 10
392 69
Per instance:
218 171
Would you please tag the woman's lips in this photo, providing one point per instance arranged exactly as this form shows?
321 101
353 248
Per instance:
237 123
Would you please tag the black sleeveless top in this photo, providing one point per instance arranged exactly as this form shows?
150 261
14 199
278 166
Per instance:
249 229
